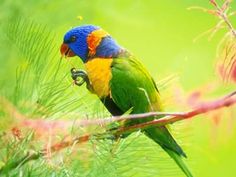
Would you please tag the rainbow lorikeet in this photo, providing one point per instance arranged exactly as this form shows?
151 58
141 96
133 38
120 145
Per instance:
121 82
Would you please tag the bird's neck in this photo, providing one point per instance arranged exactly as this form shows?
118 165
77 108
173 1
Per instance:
107 48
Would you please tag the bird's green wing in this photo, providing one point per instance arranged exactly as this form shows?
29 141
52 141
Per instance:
133 87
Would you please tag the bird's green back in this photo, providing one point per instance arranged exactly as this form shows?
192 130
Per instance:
133 87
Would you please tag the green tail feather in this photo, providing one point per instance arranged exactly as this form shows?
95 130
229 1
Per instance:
178 159
162 136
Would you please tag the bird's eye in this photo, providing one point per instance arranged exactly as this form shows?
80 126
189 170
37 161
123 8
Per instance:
72 39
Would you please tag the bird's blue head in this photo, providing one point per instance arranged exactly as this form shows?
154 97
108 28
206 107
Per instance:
75 41
89 41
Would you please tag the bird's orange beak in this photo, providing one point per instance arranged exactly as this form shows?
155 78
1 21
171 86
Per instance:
66 51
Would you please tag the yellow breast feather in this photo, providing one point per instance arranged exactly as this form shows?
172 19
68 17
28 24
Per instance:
99 74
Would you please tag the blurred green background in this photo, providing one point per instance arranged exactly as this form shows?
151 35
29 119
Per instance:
161 34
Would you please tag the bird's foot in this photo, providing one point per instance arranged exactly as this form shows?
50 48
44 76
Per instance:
79 76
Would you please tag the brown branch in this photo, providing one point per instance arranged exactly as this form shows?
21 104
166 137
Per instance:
45 125
169 118
203 108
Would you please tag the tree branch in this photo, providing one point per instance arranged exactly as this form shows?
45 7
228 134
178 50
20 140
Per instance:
225 101
169 118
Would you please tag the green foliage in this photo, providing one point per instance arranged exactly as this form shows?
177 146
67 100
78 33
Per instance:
41 77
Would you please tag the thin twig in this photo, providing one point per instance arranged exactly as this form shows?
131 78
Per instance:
222 12
50 124
64 124
209 106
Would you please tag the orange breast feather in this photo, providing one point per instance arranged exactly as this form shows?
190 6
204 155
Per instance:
99 73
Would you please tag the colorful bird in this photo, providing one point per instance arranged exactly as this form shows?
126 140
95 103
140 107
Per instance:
121 82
